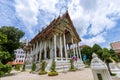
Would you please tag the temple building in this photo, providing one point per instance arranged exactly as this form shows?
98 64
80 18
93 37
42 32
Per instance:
53 42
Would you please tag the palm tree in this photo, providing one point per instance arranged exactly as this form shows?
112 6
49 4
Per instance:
106 58
109 56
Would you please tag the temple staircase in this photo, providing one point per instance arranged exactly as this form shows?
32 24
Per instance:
79 64
62 66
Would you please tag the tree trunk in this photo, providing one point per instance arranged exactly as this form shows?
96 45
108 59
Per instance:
109 68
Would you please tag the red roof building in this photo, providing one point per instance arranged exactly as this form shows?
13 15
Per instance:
116 47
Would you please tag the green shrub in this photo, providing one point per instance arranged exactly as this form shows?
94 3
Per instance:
5 69
33 68
17 67
72 68
1 69
43 65
53 66
52 73
42 69
8 68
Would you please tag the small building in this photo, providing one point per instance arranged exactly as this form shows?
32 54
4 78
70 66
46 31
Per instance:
19 56
116 47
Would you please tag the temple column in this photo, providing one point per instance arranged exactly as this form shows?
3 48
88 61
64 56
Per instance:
73 47
61 48
31 56
80 53
66 56
77 51
54 46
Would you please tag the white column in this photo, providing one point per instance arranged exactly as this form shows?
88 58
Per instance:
61 48
80 53
31 56
54 46
73 47
66 56
77 51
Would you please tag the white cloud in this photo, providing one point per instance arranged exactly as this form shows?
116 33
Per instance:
48 6
27 11
102 14
97 39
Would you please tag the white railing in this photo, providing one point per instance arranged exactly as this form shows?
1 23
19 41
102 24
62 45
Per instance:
62 59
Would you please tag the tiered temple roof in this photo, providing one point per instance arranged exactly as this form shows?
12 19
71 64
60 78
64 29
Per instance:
50 29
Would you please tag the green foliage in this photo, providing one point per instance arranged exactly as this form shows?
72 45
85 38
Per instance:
4 56
72 68
17 67
13 36
3 38
42 69
1 69
106 55
53 66
52 73
114 56
33 67
96 47
87 50
8 68
5 69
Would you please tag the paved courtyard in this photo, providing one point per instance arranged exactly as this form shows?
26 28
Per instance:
84 74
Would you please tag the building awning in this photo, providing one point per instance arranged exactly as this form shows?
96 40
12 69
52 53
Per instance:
14 63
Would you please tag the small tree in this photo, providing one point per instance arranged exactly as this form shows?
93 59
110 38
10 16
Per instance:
106 58
52 68
87 50
42 69
53 72
33 68
72 67
17 67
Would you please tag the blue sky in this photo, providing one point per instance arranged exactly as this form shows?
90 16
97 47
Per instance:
96 21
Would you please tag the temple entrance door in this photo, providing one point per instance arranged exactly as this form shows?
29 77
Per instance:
42 55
